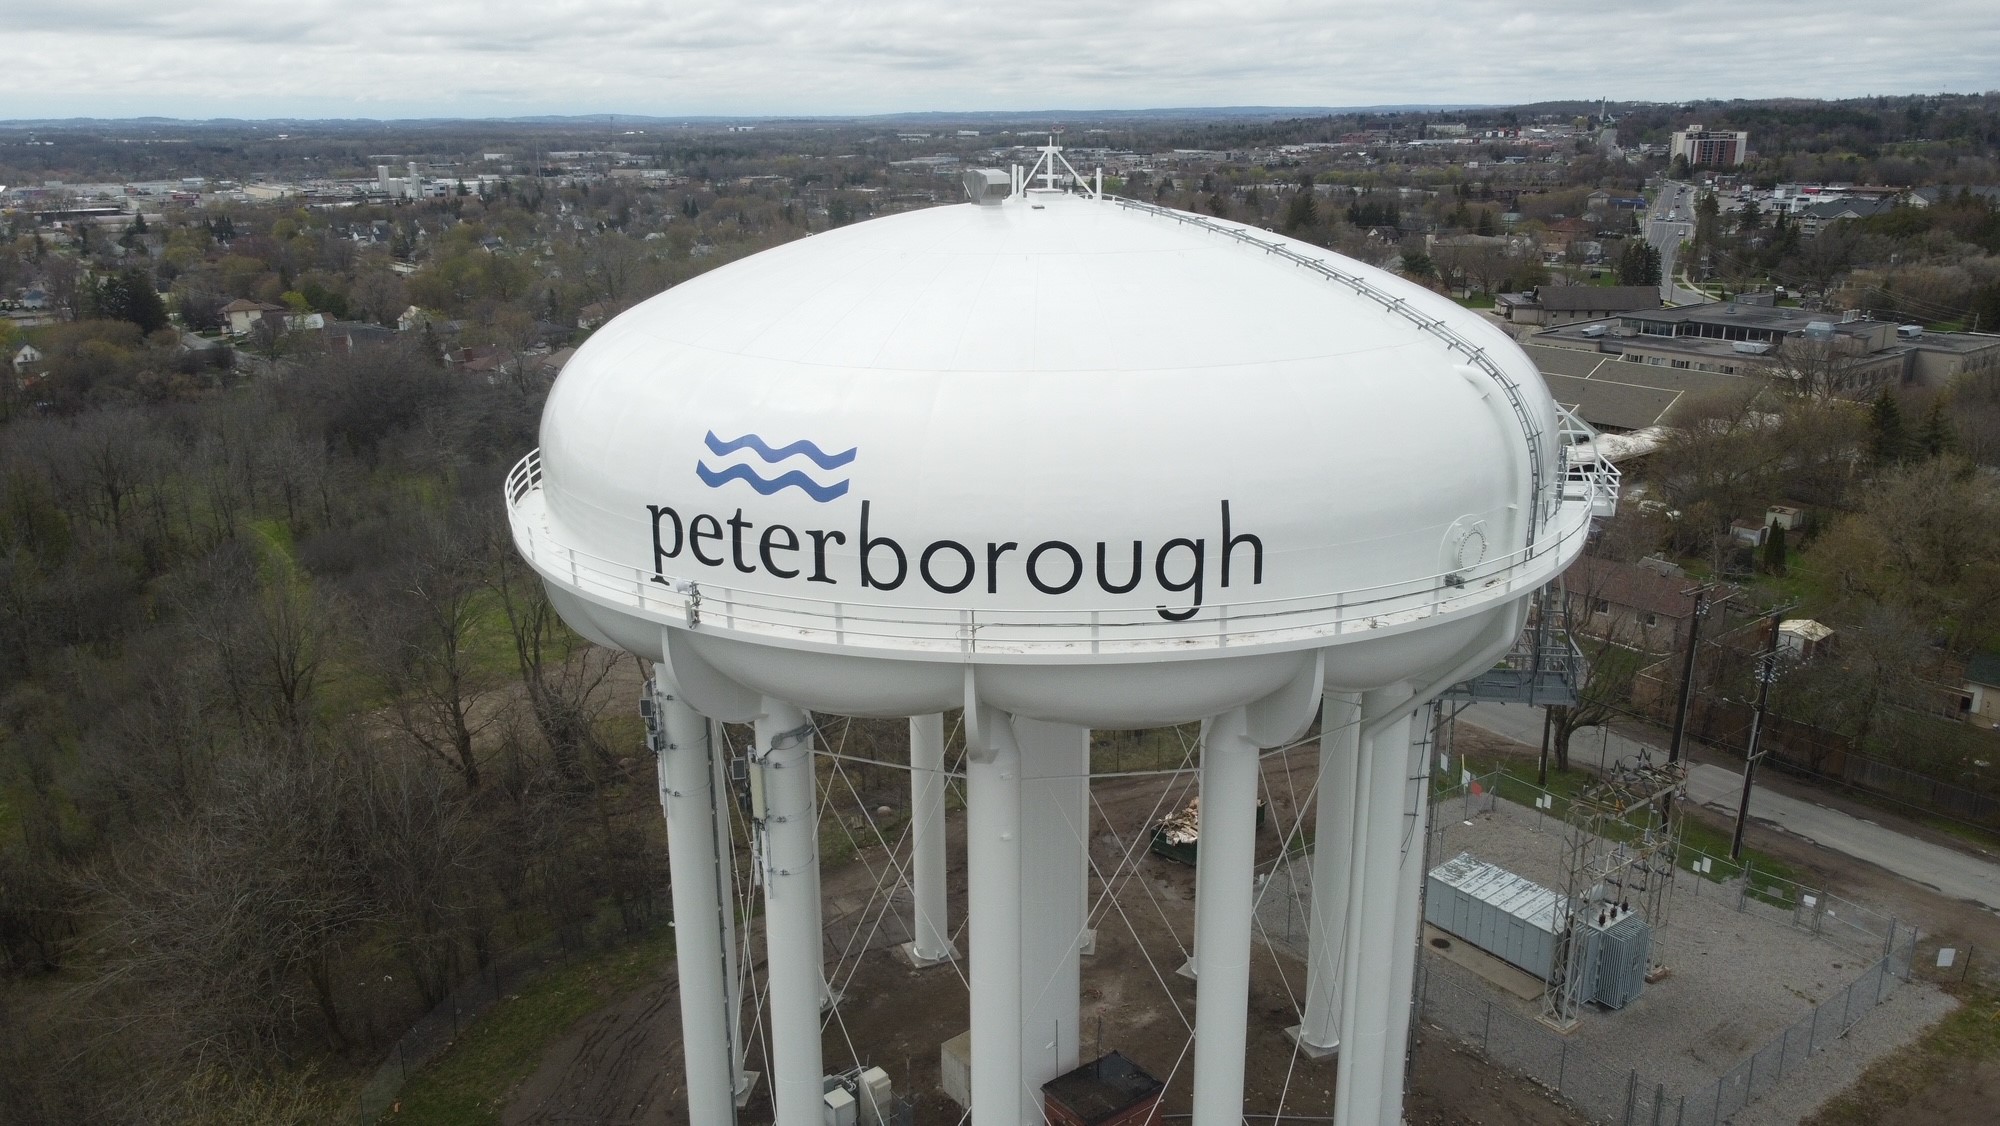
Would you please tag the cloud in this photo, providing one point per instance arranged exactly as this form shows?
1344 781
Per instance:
454 57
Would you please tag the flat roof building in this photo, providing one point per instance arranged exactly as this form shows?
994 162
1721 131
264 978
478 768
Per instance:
1714 148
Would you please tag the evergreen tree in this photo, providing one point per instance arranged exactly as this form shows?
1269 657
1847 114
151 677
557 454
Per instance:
1302 213
1937 438
1774 550
1486 225
128 295
1888 442
1218 206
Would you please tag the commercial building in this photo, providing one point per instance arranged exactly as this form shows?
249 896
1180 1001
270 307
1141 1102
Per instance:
1849 353
1714 148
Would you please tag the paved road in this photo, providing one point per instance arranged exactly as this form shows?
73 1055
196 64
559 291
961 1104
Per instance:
1944 870
1665 234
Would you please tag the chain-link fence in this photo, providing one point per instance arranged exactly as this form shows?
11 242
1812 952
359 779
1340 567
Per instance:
1841 921
1829 1020
1455 1001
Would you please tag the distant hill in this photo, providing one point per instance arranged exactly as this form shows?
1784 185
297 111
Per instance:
926 117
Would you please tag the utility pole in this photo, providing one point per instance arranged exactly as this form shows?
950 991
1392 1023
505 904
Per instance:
1767 671
1700 594
1542 776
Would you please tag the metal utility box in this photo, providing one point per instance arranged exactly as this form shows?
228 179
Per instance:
1108 1091
1623 947
840 1108
1495 910
877 1099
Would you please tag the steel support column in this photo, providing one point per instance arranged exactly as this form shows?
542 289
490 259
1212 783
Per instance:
701 906
1225 867
787 814
1318 1033
930 924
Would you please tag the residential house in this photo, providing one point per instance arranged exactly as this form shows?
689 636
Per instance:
1979 703
1563 304
1630 604
27 358
243 314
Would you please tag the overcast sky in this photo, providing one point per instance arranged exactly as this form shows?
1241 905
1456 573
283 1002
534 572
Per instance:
478 58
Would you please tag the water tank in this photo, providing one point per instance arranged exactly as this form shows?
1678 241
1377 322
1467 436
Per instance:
1137 466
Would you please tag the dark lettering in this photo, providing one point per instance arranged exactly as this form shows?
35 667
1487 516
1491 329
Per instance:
737 526
1229 543
1138 569
1075 567
993 553
660 550
965 553
1195 549
767 543
696 535
819 538
868 546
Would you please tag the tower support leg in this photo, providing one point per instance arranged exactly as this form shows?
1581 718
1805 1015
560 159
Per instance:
1318 1033
993 899
701 906
930 925
1054 760
785 791
1224 865
1366 991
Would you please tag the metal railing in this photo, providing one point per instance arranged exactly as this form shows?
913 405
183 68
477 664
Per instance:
679 600
1544 507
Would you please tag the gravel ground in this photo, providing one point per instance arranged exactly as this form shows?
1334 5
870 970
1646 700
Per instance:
1740 978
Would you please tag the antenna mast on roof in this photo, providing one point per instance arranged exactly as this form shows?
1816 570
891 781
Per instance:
1052 163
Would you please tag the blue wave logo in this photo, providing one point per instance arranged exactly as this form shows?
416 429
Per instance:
790 479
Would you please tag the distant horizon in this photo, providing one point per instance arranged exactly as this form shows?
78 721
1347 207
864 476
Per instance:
1000 116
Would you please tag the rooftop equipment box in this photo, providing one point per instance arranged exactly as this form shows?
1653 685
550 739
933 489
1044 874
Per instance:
1108 1091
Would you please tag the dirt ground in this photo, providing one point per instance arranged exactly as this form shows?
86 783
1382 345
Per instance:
620 1065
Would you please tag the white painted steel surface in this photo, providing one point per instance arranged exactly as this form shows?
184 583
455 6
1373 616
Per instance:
1064 463
1333 859
941 437
1055 761
931 923
701 907
993 900
1363 1085
790 855
1226 863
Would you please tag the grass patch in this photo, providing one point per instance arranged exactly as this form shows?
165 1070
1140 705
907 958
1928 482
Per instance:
1967 1037
470 1082
277 550
1476 301
1767 874
1971 834
1156 748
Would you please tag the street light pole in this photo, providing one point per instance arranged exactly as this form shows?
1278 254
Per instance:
1767 671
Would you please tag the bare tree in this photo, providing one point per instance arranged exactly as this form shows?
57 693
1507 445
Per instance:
561 672
425 640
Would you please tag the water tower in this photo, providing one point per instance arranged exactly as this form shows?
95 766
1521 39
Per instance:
1064 461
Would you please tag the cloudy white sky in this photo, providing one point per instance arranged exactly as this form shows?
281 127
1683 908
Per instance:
377 58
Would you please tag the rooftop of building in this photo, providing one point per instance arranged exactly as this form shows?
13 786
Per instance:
1611 394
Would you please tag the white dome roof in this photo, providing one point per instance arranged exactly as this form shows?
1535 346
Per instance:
1056 409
